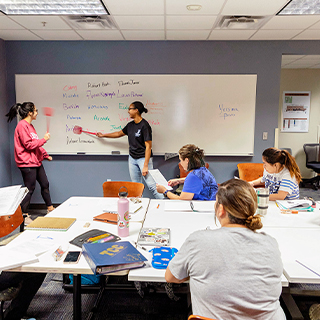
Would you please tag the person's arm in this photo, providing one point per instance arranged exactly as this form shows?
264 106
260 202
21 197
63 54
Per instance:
147 156
116 134
281 195
174 182
171 195
255 182
29 143
171 278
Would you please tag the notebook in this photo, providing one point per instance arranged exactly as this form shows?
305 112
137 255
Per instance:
51 223
109 217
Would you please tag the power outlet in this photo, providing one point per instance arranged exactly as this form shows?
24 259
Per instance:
265 136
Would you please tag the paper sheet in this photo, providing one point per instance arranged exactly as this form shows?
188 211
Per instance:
159 178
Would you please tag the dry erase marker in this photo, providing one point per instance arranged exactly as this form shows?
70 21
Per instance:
158 205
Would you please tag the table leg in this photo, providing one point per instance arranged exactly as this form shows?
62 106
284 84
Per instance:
77 296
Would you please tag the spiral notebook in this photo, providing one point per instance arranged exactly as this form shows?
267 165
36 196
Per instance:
51 223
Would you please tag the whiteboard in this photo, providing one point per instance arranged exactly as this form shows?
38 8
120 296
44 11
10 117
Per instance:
214 112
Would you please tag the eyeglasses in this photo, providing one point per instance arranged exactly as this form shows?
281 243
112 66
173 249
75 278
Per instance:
132 108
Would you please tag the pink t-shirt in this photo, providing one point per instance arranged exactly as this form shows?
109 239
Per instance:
28 151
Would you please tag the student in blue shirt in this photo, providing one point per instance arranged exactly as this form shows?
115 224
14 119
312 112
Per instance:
281 175
199 184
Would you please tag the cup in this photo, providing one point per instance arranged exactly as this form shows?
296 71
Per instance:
263 201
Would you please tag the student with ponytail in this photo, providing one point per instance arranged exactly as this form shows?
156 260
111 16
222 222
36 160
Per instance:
234 272
199 184
29 154
139 135
281 174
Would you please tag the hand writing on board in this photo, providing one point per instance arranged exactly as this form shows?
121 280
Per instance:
145 170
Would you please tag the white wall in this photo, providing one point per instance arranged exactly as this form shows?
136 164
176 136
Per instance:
301 80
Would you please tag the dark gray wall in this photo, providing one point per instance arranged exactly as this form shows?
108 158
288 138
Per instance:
5 172
83 175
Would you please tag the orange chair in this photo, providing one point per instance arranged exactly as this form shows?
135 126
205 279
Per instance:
250 171
111 188
11 223
184 173
194 317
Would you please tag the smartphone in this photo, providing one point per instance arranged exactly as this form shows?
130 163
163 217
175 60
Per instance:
72 257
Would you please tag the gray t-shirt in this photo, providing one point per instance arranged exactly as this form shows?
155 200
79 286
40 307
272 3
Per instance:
235 273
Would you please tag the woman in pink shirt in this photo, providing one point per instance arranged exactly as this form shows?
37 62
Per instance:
28 153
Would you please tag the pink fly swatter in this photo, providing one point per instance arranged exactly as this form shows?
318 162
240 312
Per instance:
78 130
48 112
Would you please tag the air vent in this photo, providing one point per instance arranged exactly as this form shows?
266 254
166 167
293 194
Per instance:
241 22
91 22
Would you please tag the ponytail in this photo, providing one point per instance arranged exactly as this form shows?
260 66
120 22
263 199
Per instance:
22 109
273 155
139 105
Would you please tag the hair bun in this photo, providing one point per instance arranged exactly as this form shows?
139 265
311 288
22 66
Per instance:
254 222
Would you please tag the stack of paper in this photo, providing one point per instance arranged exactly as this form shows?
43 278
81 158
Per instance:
10 198
300 205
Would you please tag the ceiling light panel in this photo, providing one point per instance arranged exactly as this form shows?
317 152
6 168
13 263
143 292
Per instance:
301 7
61 7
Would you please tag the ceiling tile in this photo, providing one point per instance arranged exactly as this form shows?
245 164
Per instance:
190 22
36 22
253 7
274 35
140 22
6 24
231 34
290 22
18 35
100 34
308 35
57 34
136 7
209 7
187 34
143 35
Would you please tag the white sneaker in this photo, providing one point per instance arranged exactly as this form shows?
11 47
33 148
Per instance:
27 220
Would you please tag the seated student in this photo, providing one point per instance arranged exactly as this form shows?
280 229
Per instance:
199 184
234 271
281 174
31 282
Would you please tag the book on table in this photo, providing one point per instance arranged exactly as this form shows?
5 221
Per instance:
110 257
10 199
299 205
51 223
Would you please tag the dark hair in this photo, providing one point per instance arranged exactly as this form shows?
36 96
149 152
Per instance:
239 199
194 154
139 105
22 109
274 155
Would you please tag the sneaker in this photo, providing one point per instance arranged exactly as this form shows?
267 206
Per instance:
314 312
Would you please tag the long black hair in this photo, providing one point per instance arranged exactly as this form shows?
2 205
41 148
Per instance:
23 110
139 105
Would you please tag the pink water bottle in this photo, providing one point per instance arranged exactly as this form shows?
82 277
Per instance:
123 213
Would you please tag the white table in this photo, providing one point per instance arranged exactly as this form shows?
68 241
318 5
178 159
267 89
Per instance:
83 209
181 225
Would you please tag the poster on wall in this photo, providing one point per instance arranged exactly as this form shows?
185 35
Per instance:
295 111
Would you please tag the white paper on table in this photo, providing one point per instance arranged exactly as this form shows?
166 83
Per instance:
159 178
184 205
15 257
311 264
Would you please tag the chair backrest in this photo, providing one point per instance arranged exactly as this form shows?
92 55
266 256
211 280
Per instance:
312 151
184 173
195 317
250 171
10 223
111 188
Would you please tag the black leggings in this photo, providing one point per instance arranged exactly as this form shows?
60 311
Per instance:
30 175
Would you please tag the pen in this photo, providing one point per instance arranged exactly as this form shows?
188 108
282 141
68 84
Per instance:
138 209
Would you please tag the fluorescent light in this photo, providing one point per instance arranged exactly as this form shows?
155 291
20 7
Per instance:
301 7
58 7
